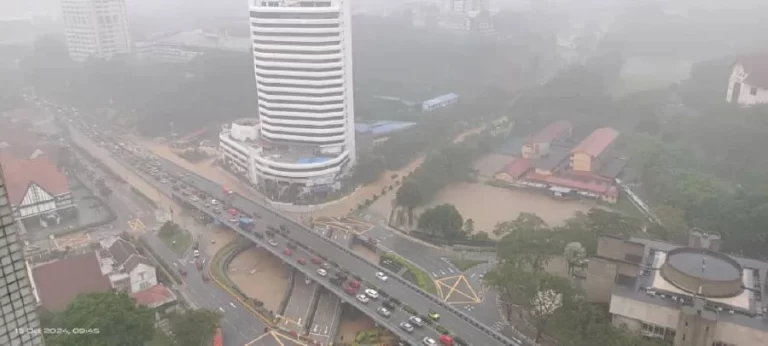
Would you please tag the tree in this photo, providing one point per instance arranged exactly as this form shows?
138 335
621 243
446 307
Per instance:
539 293
409 196
573 253
194 327
443 221
168 229
116 316
528 243
469 226
481 235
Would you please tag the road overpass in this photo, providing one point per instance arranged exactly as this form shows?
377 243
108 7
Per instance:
457 322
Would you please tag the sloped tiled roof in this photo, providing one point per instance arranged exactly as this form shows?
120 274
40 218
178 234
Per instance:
756 68
597 142
518 167
58 283
134 261
154 296
121 251
21 173
552 132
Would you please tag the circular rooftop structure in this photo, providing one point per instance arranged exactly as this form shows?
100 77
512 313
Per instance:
703 272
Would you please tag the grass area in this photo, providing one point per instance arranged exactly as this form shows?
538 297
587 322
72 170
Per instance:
177 239
417 276
465 264
160 339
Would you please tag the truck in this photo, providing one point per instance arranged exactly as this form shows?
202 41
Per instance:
246 224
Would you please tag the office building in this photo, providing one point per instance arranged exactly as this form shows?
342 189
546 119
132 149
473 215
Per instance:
95 28
305 134
17 300
687 295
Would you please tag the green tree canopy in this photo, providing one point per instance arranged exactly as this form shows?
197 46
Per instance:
116 316
194 327
443 221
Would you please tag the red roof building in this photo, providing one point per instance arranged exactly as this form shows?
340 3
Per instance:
584 155
155 296
515 169
538 145
58 283
35 186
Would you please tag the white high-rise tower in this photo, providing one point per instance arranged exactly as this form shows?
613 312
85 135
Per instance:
95 28
302 55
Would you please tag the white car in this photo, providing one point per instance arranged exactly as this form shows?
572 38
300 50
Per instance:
214 202
372 293
196 253
363 298
416 321
233 220
428 341
383 311
381 276
195 199
322 272
272 242
406 327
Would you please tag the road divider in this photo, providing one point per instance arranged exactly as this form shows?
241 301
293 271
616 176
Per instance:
417 276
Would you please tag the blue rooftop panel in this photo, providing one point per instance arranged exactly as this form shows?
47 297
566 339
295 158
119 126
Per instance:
440 99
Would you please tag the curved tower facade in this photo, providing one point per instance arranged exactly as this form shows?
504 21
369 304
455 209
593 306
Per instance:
302 55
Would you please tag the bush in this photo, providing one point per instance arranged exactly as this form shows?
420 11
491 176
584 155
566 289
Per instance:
441 329
409 309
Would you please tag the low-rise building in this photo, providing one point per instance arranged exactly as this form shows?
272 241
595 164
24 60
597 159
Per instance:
37 188
439 102
183 46
688 295
585 156
748 83
538 145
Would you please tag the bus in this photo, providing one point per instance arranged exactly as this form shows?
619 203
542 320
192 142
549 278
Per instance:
217 338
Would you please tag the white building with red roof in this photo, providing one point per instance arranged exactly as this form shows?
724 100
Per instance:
748 84
36 186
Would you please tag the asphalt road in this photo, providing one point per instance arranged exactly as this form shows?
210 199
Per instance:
299 305
429 259
321 244
238 325
461 325
326 318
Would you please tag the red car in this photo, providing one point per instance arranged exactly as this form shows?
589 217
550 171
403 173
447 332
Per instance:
287 252
354 284
350 290
302 261
316 260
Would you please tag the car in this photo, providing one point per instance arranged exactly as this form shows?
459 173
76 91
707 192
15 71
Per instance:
383 311
428 341
326 265
350 290
196 253
302 261
389 304
195 199
183 272
322 272
363 298
287 252
316 260
416 321
381 276
272 242
355 284
205 277
233 219
434 315
406 327
372 293
214 202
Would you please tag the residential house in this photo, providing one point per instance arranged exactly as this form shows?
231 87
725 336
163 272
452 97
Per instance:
36 187
538 145
748 84
125 267
159 298
584 157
